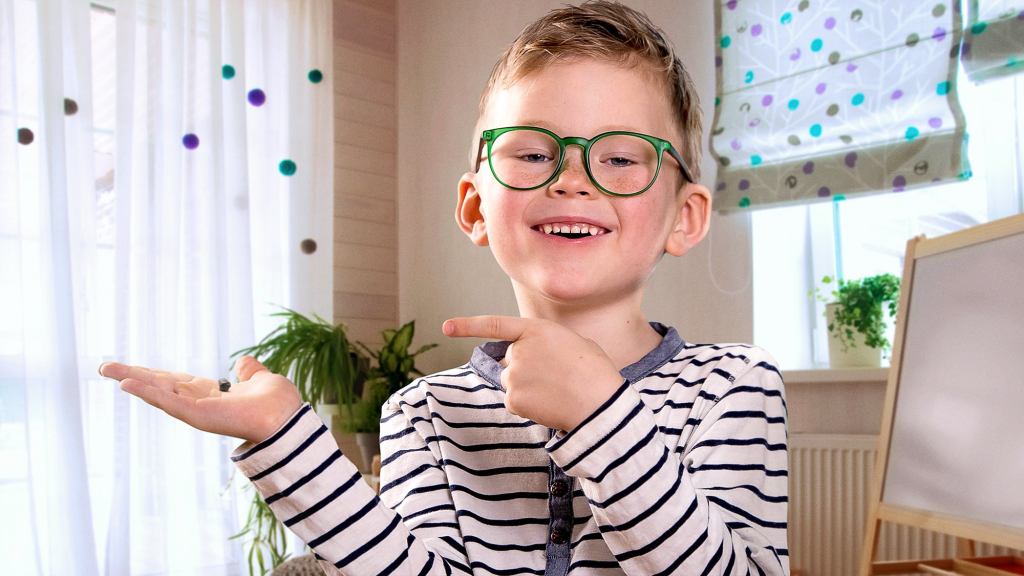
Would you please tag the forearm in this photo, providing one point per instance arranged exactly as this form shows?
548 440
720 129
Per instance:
653 516
319 494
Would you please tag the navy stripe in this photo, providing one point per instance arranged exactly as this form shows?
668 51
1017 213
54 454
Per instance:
604 406
324 501
344 524
302 481
367 546
275 437
611 433
294 453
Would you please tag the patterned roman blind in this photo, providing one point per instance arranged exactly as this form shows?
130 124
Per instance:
825 99
994 42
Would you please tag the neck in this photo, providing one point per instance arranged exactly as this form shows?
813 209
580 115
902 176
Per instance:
619 327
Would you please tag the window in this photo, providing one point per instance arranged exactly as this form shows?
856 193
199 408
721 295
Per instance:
794 247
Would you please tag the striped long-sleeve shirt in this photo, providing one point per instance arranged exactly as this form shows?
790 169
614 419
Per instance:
682 471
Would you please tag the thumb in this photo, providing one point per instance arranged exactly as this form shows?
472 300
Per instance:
247 366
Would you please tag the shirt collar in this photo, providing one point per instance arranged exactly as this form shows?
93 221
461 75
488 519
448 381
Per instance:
487 357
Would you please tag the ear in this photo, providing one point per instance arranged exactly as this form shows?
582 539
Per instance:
469 213
693 217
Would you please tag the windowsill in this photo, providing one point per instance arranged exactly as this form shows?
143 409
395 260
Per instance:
829 375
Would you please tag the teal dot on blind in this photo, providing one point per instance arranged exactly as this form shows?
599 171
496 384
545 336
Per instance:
816 45
726 41
838 198
315 76
227 71
978 28
786 18
717 100
755 159
942 88
286 167
744 202
1012 61
815 130
793 104
912 133
857 99
749 76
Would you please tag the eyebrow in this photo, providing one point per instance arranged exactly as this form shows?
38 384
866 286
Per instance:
601 130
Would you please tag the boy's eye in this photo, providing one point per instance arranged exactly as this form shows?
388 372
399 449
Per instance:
534 157
620 162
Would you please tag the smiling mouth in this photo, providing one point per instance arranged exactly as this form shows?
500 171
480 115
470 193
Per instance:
570 230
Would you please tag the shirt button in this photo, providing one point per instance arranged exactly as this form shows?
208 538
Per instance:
559 536
559 488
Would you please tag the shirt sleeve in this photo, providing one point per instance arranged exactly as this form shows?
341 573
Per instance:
717 503
315 491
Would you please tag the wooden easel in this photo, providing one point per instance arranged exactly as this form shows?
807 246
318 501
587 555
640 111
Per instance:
966 530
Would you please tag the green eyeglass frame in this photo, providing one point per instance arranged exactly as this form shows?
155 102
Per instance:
661 146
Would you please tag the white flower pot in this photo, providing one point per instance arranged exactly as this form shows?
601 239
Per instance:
855 355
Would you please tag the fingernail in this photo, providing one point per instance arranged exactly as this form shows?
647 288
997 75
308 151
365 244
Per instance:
100 369
448 328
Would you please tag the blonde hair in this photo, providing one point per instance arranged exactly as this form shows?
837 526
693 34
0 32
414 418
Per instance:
607 31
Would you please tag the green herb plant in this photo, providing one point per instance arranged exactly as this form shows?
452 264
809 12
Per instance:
395 368
860 308
324 366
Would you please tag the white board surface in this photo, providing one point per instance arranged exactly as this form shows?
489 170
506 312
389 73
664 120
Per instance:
957 440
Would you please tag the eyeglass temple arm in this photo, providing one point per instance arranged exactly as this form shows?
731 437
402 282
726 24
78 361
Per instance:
479 154
682 165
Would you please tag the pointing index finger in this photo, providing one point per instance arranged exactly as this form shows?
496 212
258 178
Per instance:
500 327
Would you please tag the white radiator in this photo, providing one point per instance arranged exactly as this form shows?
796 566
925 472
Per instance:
829 486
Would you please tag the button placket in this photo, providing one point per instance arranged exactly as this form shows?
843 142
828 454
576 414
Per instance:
558 548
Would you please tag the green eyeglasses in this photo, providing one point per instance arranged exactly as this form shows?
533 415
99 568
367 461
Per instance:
619 163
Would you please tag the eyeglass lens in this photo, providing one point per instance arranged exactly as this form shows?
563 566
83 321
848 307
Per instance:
619 163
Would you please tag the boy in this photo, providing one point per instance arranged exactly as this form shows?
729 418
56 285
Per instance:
586 440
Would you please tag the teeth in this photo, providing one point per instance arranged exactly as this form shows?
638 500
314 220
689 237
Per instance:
559 228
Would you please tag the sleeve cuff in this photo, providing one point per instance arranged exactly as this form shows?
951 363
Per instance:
587 448
253 459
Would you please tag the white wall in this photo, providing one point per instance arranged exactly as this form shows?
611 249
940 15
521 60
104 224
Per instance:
446 49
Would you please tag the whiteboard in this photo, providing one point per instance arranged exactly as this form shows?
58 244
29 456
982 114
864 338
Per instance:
957 437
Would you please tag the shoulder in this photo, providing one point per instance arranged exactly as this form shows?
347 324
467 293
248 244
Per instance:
459 384
725 367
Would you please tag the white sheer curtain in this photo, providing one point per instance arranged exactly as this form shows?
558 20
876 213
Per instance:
149 214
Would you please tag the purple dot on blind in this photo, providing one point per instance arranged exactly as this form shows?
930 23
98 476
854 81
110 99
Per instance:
190 141
830 23
820 88
851 67
965 48
850 160
1020 16
257 97
720 186
939 33
899 183
935 122
897 94
731 4
767 100
744 184
736 144
754 122
756 30
718 61
824 192
795 55
808 167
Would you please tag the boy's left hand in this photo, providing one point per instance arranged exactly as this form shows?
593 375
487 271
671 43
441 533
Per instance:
552 376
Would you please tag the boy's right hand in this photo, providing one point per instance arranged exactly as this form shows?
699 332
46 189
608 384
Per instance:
252 410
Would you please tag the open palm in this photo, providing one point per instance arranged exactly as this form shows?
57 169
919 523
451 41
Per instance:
252 410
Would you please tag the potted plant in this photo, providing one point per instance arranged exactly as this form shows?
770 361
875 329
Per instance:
325 368
856 319
395 368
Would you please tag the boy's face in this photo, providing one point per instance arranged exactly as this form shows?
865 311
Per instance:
583 98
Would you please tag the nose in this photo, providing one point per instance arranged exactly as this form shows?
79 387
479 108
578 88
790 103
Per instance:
572 179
